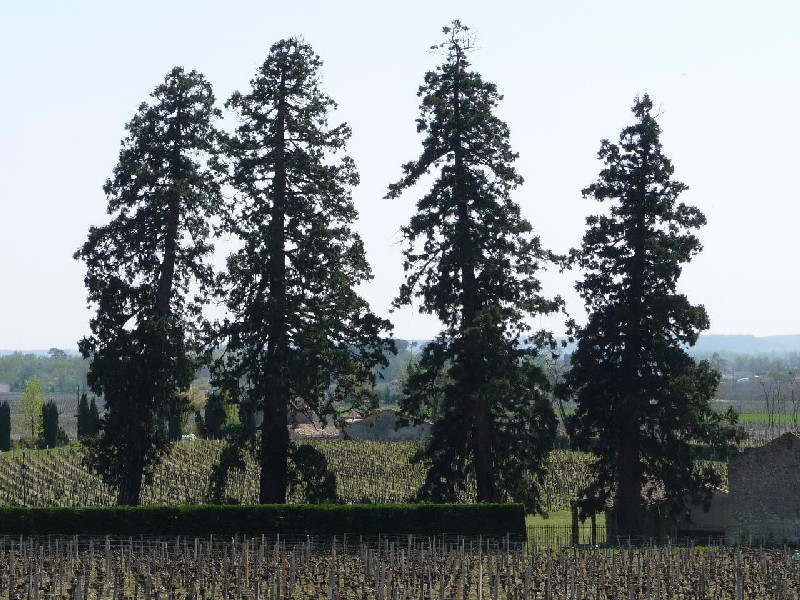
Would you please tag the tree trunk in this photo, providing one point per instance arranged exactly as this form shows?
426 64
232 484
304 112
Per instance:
628 503
129 492
482 445
274 432
274 453
628 508
167 270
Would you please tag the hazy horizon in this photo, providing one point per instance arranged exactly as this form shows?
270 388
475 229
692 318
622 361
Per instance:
704 335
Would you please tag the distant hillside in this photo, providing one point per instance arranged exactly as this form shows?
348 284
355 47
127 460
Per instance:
747 344
707 344
739 344
735 344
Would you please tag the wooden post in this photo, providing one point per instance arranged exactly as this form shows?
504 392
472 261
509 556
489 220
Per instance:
574 510
594 529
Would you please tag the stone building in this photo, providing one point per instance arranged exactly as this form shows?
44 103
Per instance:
382 425
713 518
764 499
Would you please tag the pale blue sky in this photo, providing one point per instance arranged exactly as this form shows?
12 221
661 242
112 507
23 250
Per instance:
724 74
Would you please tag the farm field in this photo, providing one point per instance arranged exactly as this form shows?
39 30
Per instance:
760 417
366 471
209 568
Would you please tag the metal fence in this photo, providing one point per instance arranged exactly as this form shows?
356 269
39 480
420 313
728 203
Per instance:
542 537
559 536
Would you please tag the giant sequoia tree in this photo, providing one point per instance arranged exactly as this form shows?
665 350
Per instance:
643 403
471 260
147 276
300 337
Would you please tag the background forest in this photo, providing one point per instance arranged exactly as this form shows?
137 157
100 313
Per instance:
759 375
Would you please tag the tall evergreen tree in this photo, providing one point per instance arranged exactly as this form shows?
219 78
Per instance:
83 416
642 401
471 260
48 425
300 336
214 415
175 428
5 426
148 275
93 423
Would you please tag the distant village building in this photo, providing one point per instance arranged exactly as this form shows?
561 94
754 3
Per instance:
380 425
764 499
5 388
383 425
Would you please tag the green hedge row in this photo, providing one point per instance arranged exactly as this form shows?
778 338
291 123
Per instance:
367 519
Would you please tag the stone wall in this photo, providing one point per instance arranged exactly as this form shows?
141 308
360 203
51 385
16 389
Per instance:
764 496
716 518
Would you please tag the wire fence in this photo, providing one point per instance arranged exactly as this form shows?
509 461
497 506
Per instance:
561 536
555 537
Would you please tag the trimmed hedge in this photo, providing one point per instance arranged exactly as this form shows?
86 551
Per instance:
292 519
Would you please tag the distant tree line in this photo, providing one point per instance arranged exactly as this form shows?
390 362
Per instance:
299 339
58 371
42 415
742 365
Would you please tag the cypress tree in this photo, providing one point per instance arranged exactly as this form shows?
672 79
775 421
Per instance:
93 421
175 428
214 415
5 426
83 416
48 426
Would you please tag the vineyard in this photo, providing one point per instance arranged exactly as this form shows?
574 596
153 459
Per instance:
350 567
366 471
760 433
384 569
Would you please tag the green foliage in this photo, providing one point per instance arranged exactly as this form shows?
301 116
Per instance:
174 428
472 260
765 418
30 404
57 371
83 416
93 421
148 274
641 399
214 416
5 426
300 336
310 476
50 434
386 519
